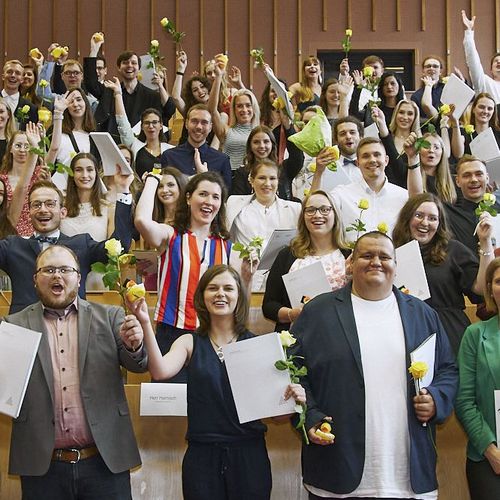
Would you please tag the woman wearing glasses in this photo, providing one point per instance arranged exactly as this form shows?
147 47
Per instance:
17 173
150 143
319 238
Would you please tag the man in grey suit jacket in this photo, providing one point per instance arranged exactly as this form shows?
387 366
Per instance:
74 434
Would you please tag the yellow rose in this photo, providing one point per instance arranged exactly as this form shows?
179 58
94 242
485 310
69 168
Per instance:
445 79
57 52
44 115
327 436
164 22
43 83
222 59
287 339
306 191
334 151
418 369
363 204
35 53
155 43
113 247
25 109
98 37
278 104
348 32
312 167
253 52
139 76
469 129
367 71
134 291
72 155
445 109
489 198
125 259
383 227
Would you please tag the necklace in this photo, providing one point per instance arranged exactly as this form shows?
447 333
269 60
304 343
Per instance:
218 348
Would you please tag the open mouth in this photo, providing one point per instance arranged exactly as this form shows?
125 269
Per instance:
57 288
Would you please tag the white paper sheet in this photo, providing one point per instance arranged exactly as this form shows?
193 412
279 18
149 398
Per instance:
163 399
425 352
17 355
278 240
280 90
330 180
308 282
493 169
458 93
257 385
110 154
147 73
410 271
371 131
497 414
484 146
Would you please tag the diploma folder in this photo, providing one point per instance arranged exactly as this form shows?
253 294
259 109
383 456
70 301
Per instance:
17 355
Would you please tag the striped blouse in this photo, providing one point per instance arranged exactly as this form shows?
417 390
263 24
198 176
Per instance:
180 269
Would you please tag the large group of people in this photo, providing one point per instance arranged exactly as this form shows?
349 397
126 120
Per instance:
236 177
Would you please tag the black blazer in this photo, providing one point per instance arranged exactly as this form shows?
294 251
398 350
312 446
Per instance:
32 115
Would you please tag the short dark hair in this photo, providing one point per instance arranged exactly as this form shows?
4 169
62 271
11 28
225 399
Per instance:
125 56
467 159
347 119
46 184
433 56
377 235
103 59
198 107
369 140
372 59
240 311
51 248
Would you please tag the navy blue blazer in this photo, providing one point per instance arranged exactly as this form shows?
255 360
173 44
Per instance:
327 339
18 256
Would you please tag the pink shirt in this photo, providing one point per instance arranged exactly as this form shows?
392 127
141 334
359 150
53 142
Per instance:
71 427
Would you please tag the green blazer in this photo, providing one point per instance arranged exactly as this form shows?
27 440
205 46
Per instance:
479 371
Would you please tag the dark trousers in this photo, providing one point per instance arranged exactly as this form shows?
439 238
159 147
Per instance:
227 471
484 484
88 479
166 335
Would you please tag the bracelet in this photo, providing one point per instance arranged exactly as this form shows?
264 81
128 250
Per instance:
117 94
485 253
289 318
413 167
180 73
153 175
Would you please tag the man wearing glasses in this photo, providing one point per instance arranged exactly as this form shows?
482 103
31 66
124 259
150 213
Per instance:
74 436
17 254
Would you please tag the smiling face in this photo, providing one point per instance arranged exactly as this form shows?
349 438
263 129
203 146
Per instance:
405 116
472 179
151 125
432 68
312 68
347 138
200 92
204 203
45 219
483 111
129 69
431 156
12 77
28 78
243 109
265 184
261 145
332 94
424 223
72 75
58 290
198 125
77 106
373 268
319 223
168 190
210 71
4 115
20 148
84 174
372 160
221 295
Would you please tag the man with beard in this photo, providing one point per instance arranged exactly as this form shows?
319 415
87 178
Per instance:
74 435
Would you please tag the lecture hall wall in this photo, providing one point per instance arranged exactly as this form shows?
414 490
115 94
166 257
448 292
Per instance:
287 30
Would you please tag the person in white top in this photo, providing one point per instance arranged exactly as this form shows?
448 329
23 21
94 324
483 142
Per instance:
481 82
356 344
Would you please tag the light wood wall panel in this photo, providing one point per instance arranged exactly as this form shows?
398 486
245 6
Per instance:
130 24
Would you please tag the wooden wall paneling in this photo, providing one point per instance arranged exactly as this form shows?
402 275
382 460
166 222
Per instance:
448 37
239 30
324 15
472 7
90 21
5 27
127 34
77 29
53 24
214 29
30 23
251 43
103 17
271 26
275 36
142 28
374 15
202 32
398 15
16 25
349 13
497 25
226 32
153 21
423 24
299 40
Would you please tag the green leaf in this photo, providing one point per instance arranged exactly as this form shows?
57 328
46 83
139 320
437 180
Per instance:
302 372
281 365
98 267
238 247
110 280
431 128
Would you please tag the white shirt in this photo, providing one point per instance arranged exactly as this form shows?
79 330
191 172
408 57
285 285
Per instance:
11 100
384 205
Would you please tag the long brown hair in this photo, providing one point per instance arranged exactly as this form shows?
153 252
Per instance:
494 123
250 161
180 179
8 159
302 245
88 124
491 305
437 250
6 228
240 312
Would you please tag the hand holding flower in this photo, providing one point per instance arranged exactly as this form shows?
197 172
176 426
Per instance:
410 148
424 406
295 391
316 438
182 61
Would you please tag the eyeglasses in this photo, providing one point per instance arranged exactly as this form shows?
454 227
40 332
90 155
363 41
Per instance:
37 205
323 210
71 73
147 123
51 270
433 66
19 146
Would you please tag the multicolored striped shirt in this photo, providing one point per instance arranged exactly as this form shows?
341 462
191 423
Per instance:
180 269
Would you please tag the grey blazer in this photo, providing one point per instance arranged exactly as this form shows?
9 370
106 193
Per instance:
101 353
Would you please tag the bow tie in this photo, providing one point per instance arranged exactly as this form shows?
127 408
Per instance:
348 161
46 239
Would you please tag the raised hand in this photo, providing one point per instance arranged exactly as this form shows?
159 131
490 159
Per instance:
358 77
33 134
96 41
468 23
114 85
182 61
345 85
344 67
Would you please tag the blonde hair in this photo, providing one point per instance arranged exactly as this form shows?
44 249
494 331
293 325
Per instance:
255 107
415 126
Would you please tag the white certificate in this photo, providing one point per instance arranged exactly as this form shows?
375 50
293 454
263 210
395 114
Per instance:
484 146
278 240
111 155
458 93
497 414
17 355
163 399
280 90
330 180
305 283
371 131
425 352
257 385
147 73
410 271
